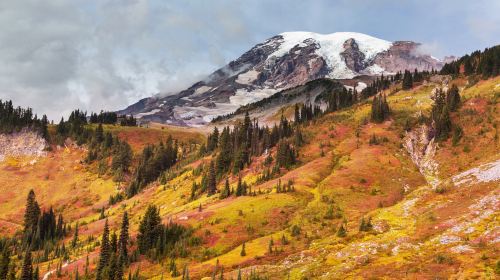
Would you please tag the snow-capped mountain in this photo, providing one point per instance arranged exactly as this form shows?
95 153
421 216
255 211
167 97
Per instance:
283 61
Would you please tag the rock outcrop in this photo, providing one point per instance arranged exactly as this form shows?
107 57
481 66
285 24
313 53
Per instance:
406 55
421 146
353 57
23 143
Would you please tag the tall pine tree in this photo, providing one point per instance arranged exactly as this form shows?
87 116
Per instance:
212 180
123 241
105 253
27 269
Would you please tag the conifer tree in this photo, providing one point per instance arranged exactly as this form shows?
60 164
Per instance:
221 275
27 269
362 224
342 232
440 116
240 187
185 274
298 137
468 69
285 155
149 228
407 80
380 109
226 192
102 215
213 140
173 268
4 263
365 225
113 267
296 114
113 243
31 214
77 275
284 240
74 241
119 269
212 180
99 134
36 273
12 272
105 252
123 241
214 272
453 98
86 268
243 252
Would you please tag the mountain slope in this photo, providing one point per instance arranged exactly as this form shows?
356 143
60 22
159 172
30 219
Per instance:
283 61
442 223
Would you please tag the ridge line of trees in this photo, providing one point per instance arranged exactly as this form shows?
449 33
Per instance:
14 119
484 63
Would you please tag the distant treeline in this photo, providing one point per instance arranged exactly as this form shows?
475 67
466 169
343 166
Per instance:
335 94
112 118
283 96
14 119
407 79
485 63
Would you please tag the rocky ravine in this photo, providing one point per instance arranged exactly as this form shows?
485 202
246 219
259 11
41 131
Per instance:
421 146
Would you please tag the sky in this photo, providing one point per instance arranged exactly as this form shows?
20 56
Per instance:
59 55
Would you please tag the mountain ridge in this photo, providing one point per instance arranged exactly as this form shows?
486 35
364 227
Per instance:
283 61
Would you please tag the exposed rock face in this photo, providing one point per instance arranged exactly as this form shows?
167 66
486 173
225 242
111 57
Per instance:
422 148
24 143
353 57
299 65
281 62
405 55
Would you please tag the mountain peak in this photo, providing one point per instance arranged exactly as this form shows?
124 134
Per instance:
330 47
281 62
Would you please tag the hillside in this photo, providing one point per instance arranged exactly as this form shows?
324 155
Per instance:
427 219
397 181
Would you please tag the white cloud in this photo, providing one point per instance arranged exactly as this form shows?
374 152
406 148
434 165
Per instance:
56 56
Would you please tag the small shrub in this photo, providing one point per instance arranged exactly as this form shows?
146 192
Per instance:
440 189
295 231
443 259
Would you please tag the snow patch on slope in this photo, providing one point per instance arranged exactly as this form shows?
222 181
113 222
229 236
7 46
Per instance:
330 46
202 90
244 97
375 69
248 77
152 112
199 116
359 86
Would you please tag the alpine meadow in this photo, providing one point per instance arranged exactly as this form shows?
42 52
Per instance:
214 140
